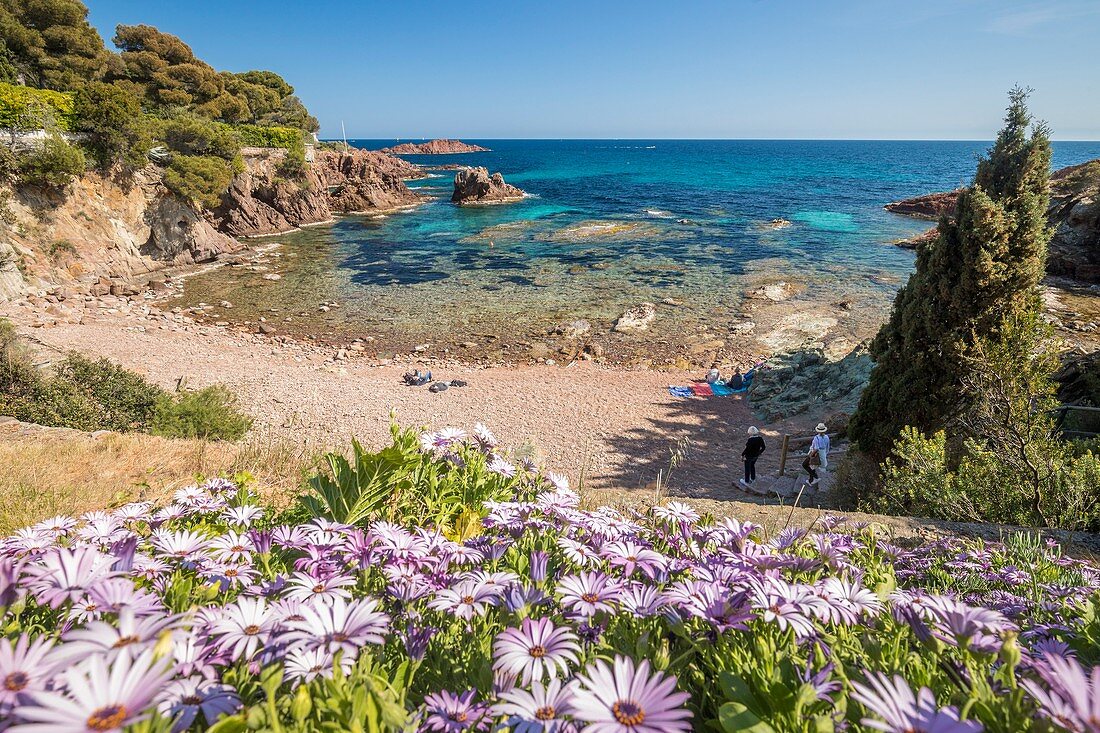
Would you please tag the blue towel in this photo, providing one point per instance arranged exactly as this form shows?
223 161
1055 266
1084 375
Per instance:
721 390
680 391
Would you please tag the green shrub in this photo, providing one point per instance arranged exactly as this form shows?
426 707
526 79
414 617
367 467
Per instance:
110 116
199 179
53 164
210 414
26 108
124 401
920 480
60 248
404 484
198 137
87 394
289 138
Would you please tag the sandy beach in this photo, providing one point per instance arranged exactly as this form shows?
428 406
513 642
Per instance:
603 426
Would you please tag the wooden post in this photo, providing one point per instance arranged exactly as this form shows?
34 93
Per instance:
783 453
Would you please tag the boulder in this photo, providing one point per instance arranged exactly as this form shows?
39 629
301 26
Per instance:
476 186
637 318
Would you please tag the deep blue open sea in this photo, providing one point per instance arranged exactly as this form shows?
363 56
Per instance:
612 223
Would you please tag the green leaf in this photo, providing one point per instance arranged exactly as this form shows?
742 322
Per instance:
737 718
230 724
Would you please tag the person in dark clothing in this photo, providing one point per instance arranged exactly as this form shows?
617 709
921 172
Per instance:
753 449
813 460
737 381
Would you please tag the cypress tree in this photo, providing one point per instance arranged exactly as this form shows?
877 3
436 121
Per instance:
983 268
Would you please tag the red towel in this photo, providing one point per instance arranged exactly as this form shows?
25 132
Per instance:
703 390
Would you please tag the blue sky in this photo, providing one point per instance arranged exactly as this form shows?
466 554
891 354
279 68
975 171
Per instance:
931 69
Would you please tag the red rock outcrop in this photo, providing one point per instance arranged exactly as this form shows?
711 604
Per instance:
1074 214
435 147
930 206
260 201
476 186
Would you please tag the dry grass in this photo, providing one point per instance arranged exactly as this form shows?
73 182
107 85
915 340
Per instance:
47 472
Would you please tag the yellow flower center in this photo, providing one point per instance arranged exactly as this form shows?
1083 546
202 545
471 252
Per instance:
107 718
537 651
545 713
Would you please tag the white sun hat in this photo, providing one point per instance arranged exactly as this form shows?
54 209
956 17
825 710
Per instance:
821 428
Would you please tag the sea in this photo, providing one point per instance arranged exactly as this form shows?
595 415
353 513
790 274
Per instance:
691 226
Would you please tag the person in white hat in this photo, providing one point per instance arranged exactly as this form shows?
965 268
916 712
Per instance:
822 444
754 447
818 454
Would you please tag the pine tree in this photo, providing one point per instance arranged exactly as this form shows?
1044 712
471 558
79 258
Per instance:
983 268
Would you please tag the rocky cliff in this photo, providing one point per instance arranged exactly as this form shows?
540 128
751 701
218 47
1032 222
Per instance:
260 201
435 147
1074 214
100 228
476 186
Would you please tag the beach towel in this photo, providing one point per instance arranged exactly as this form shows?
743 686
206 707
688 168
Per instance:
721 390
703 390
680 391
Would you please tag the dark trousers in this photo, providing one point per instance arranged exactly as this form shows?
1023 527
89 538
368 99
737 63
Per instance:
812 470
750 470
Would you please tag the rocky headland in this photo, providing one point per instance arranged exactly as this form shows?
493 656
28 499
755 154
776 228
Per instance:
1074 215
102 228
435 147
476 186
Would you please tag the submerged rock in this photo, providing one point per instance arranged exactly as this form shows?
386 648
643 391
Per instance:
637 318
476 186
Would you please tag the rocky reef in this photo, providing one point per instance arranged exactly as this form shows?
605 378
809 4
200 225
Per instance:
435 147
476 186
1074 215
101 227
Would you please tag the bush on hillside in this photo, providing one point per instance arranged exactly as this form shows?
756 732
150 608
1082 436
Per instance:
86 394
26 108
288 138
110 117
53 164
199 179
1011 465
191 135
211 413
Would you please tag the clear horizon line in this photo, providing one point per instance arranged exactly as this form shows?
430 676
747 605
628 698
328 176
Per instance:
715 139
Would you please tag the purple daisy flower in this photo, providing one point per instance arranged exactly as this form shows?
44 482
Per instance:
535 650
542 710
1069 695
306 665
243 627
892 699
588 593
184 700
465 600
627 699
338 625
450 713
305 587
98 696
25 667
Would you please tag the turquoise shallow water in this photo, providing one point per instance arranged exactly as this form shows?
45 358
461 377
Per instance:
610 224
